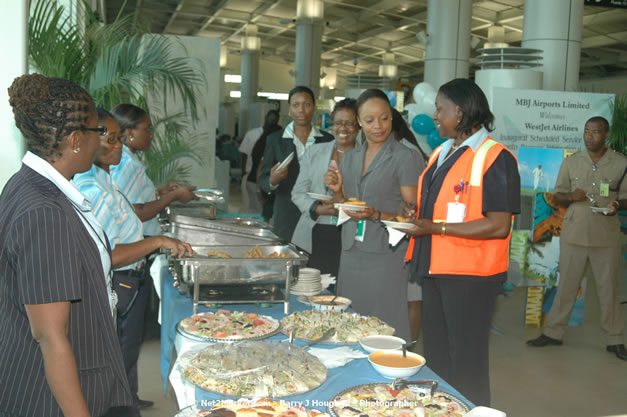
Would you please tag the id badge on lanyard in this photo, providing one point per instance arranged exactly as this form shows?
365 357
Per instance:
456 211
361 231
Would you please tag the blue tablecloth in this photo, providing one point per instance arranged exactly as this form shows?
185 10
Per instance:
176 307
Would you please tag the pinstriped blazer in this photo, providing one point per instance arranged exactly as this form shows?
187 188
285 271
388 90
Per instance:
47 255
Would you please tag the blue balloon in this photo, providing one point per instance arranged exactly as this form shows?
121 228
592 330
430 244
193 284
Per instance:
422 124
434 140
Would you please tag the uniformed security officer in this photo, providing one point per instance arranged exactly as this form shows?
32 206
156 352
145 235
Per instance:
590 183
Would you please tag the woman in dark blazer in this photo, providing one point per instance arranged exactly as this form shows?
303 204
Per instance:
296 137
60 354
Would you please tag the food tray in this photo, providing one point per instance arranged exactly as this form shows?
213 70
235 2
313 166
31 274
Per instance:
253 369
227 321
349 327
382 402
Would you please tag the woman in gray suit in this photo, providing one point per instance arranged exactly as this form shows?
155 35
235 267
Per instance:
316 230
383 173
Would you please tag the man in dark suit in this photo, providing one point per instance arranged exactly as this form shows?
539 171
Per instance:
295 138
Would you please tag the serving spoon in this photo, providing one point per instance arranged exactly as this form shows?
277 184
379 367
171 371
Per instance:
405 346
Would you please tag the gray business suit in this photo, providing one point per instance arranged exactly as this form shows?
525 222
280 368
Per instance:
315 163
47 255
285 214
372 274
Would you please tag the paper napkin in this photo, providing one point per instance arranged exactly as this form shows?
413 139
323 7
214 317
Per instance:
333 358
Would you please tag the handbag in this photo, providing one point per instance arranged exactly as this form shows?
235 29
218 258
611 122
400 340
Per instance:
126 285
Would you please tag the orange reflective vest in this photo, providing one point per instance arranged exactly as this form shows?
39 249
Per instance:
452 255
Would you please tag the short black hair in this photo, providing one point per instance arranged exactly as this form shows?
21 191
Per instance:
600 119
473 103
345 104
103 114
301 89
370 94
128 115
46 110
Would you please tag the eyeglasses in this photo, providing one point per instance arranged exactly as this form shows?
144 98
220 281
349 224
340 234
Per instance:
346 124
101 130
112 139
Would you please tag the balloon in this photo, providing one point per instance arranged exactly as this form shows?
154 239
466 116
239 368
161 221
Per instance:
421 90
422 124
434 140
412 110
428 103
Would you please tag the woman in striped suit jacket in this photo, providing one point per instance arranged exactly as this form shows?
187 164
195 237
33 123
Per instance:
60 354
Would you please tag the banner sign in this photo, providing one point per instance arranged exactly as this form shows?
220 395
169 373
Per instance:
619 4
545 119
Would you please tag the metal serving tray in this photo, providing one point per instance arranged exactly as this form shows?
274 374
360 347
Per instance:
239 270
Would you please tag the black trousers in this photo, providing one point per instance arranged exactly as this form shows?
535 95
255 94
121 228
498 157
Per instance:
326 248
130 332
457 315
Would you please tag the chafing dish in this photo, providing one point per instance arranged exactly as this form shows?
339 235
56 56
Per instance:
221 231
266 274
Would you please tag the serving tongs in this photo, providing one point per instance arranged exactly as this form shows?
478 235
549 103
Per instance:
400 383
325 336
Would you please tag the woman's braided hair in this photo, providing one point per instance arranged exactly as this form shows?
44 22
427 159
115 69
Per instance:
46 110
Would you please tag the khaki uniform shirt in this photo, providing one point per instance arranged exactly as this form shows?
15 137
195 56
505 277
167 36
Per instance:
581 225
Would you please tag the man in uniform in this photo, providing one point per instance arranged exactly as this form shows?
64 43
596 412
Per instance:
590 183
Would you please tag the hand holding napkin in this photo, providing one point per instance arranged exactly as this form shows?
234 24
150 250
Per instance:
333 358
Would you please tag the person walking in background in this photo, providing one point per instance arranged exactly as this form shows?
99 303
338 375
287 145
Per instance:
316 231
591 184
467 197
294 139
382 173
60 354
250 201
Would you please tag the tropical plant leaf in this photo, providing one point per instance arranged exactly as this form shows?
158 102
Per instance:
618 134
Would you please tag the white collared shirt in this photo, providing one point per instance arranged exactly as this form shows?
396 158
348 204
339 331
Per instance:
473 142
288 133
83 208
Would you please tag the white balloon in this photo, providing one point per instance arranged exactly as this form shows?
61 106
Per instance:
428 103
412 109
421 90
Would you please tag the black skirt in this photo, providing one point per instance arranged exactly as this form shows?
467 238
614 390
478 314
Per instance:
326 248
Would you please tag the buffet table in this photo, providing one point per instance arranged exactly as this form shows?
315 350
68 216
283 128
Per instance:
175 307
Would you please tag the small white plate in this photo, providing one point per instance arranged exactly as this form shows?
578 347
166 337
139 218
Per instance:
321 197
602 210
350 207
398 225
286 161
381 343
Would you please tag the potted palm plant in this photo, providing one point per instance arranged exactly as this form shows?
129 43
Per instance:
116 63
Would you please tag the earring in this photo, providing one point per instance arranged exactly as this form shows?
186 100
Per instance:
131 138
77 149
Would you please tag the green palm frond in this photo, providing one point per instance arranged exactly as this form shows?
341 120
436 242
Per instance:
618 134
164 159
56 47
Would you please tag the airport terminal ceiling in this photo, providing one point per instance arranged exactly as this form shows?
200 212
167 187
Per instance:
358 32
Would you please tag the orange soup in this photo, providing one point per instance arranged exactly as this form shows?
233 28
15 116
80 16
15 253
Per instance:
395 360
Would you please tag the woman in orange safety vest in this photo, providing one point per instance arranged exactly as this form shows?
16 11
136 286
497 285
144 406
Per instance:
467 197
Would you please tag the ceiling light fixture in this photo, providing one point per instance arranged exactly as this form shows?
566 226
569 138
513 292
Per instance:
310 9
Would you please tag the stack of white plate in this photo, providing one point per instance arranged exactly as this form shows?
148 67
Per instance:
308 282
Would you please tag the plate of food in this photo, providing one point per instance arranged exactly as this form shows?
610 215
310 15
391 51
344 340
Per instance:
249 408
601 210
253 369
397 225
321 197
227 326
349 327
352 205
375 400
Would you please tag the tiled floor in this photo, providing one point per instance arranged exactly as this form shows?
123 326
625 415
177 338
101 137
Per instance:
578 379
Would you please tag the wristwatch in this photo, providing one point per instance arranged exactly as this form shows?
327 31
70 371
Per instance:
378 219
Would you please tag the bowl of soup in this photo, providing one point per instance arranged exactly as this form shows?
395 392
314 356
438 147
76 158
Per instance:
392 364
330 303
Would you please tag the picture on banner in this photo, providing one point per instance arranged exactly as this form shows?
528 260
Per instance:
545 119
538 256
